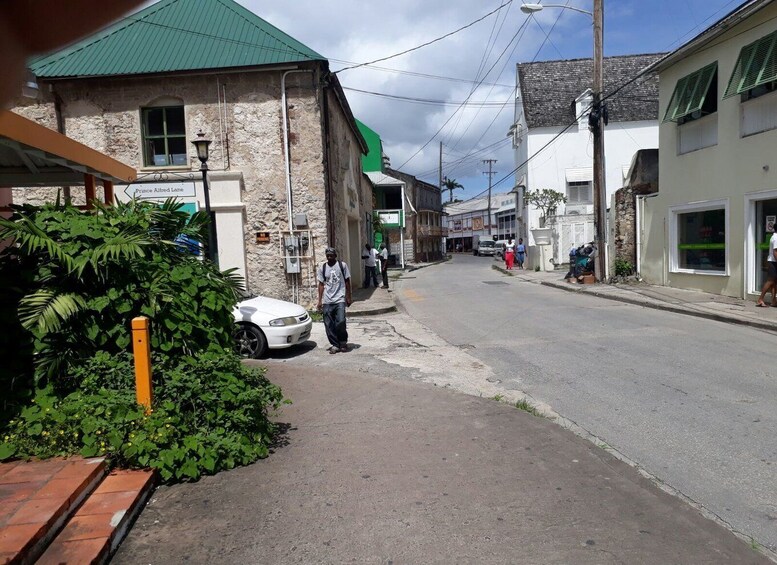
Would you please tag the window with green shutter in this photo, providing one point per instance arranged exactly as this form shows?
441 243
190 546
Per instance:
756 66
694 96
164 137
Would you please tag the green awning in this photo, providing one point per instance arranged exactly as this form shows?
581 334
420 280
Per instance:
690 93
756 65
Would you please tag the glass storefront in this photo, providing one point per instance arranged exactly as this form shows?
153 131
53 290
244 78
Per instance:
702 240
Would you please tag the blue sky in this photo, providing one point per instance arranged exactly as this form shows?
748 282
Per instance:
351 31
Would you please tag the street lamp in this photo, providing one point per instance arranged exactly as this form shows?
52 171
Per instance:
202 144
596 123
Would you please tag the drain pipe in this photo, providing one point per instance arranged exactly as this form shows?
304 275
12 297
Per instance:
285 112
640 203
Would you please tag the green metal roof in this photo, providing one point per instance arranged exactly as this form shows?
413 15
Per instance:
176 35
372 161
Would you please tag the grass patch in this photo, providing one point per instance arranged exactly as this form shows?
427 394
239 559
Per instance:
524 405
498 397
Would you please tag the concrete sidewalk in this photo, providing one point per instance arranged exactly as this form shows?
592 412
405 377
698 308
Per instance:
688 302
376 470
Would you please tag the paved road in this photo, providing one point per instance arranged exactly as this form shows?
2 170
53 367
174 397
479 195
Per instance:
693 402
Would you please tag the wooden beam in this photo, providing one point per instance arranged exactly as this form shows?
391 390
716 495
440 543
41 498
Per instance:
91 192
108 192
35 136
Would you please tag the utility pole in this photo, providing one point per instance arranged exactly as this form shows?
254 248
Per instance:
490 174
440 176
596 122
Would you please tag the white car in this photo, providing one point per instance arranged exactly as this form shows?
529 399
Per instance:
266 323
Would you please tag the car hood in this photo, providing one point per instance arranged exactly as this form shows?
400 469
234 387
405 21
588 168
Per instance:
263 308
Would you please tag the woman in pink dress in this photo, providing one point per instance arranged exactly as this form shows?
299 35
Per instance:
509 254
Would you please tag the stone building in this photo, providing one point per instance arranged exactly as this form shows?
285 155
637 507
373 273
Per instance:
285 159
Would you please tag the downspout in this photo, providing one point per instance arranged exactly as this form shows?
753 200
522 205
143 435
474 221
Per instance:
287 158
61 129
329 199
640 203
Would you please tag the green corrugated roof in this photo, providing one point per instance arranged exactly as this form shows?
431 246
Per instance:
176 35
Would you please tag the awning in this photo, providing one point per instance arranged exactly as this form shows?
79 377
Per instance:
34 155
584 174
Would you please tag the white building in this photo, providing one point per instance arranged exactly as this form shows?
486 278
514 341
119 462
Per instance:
554 147
468 221
709 225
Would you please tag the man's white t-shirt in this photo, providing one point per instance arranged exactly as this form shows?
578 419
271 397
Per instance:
772 245
371 259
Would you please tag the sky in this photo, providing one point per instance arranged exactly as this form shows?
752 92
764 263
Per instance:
476 64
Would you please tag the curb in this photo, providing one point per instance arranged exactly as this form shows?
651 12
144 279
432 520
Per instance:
374 312
665 307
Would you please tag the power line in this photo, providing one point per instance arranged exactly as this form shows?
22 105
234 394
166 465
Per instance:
482 103
428 42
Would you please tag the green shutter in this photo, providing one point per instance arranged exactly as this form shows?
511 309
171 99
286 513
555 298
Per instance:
690 92
756 65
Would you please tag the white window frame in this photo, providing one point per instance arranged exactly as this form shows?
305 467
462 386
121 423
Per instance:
750 243
765 108
702 206
577 185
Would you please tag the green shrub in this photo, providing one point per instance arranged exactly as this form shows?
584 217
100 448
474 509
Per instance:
79 278
623 268
209 414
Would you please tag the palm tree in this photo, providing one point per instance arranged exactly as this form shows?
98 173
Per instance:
450 185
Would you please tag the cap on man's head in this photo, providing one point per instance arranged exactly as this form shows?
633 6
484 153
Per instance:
330 251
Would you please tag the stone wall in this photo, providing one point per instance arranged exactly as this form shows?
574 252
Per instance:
246 129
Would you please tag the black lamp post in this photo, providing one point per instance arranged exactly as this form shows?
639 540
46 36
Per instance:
201 144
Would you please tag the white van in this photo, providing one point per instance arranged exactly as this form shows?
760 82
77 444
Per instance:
485 247
499 248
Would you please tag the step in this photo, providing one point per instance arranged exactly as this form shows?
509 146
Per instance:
100 524
37 498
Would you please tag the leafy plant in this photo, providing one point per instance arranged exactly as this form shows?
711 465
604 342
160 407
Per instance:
450 185
526 406
79 278
546 199
209 414
623 268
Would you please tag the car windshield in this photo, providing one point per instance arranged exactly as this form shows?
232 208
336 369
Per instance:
486 244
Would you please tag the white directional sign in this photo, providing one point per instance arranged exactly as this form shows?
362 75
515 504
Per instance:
160 190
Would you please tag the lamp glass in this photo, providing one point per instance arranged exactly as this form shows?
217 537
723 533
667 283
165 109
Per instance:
202 143
531 8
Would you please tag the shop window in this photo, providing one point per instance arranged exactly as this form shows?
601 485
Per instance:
700 239
164 137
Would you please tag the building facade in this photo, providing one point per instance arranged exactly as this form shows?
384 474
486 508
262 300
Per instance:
708 227
469 222
285 158
554 147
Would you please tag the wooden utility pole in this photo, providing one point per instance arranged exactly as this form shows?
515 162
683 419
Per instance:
597 125
490 174
440 177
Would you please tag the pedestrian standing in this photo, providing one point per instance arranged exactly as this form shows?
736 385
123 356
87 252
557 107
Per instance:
771 272
384 264
334 294
520 250
509 254
370 256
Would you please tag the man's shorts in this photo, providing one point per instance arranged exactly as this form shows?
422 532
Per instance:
771 271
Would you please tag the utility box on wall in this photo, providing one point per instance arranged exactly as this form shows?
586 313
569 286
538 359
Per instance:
292 253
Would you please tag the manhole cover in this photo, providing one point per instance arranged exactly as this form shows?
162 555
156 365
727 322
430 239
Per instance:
495 282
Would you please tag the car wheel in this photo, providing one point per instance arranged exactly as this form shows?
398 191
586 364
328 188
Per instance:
250 342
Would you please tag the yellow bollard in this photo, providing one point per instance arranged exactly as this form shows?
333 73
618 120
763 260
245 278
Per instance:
141 347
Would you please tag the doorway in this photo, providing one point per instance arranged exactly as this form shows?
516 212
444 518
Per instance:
763 215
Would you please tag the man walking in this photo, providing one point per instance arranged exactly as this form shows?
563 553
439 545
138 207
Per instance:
771 273
334 294
384 264
370 256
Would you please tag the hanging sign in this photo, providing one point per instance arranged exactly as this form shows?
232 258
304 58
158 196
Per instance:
770 221
160 190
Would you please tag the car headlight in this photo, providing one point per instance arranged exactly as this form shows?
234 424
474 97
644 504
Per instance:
288 321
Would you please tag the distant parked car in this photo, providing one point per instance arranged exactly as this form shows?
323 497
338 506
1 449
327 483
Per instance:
485 247
499 248
263 323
